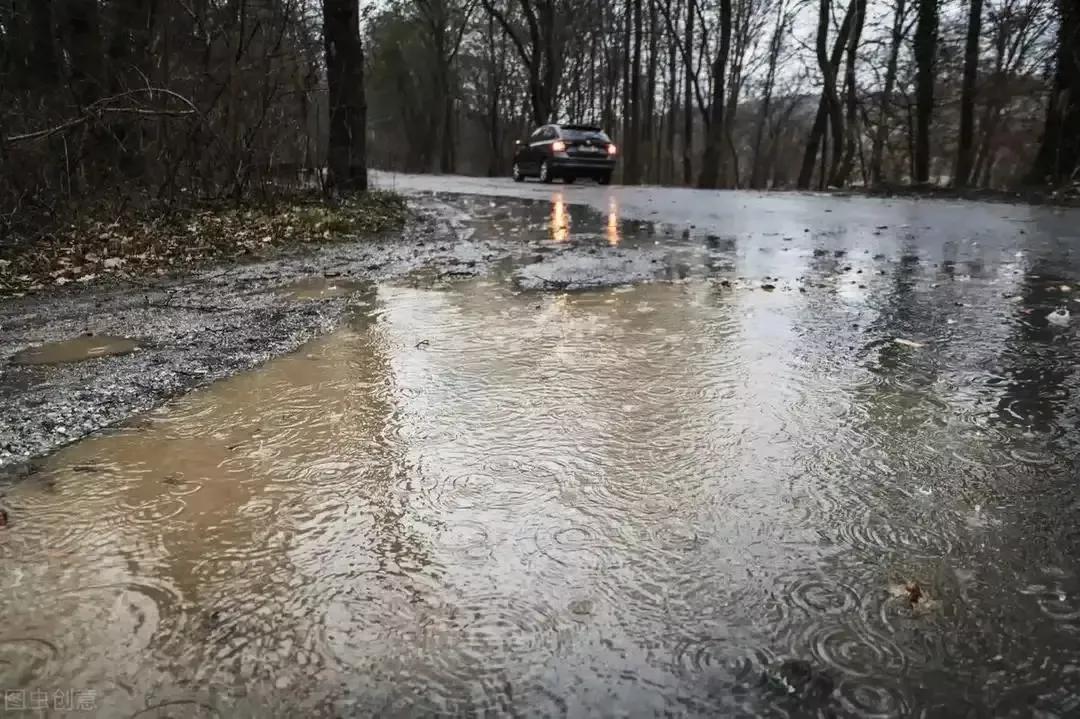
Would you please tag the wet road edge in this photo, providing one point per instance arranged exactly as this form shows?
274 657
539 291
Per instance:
192 330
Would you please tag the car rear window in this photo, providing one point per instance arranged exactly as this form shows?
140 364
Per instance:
579 135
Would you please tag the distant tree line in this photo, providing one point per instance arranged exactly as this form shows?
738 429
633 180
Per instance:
738 93
176 99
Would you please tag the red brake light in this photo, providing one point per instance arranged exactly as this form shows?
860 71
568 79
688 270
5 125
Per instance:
558 146
611 149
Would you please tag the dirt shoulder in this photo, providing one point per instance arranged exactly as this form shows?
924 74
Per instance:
190 329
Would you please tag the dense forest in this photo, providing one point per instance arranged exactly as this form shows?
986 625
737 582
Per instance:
226 98
737 93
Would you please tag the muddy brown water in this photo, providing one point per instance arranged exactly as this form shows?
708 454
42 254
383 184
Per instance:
676 498
77 349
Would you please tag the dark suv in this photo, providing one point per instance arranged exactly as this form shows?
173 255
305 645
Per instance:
566 151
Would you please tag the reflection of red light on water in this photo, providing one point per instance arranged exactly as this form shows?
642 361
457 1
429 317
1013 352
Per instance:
560 221
613 223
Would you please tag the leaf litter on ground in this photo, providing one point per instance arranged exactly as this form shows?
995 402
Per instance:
153 241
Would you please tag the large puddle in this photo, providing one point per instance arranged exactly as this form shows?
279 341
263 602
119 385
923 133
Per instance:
685 498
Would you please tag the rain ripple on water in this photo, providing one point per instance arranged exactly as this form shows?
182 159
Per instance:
558 504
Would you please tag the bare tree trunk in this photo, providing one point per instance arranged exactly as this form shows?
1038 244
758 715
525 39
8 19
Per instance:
881 132
823 172
540 57
843 170
632 171
741 41
821 120
494 99
966 142
447 159
348 107
775 44
714 133
910 134
129 48
627 98
82 29
610 76
926 31
688 89
1058 159
43 66
832 99
673 104
649 164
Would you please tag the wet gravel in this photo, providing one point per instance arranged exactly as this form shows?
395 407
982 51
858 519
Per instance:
575 269
191 330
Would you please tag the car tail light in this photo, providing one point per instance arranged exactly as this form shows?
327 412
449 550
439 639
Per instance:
558 146
611 149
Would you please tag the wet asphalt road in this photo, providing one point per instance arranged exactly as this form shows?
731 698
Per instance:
933 222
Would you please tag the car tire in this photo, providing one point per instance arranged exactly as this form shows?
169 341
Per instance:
569 179
545 172
518 177
604 179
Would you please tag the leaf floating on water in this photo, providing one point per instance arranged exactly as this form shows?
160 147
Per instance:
907 343
914 596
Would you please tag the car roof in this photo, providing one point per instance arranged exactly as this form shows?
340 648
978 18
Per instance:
587 128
